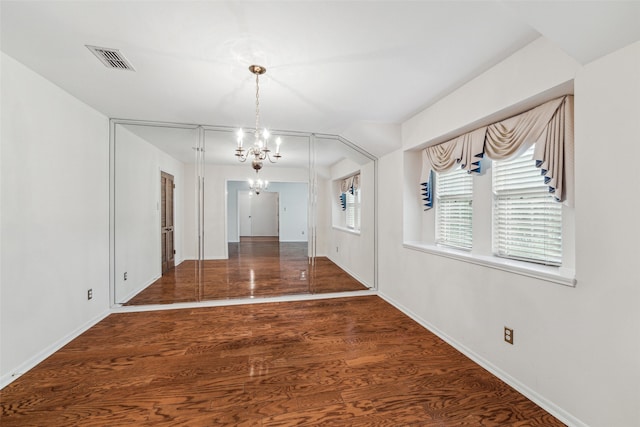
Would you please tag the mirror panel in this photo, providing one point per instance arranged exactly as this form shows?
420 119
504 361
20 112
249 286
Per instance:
350 246
143 241
302 246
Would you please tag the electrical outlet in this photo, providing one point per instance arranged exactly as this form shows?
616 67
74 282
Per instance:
90 294
125 275
508 335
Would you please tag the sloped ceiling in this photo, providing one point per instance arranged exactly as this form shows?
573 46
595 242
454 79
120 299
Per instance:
354 68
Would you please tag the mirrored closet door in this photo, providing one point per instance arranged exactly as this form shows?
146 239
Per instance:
190 222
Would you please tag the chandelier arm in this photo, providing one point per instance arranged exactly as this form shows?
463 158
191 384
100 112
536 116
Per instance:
241 155
273 161
260 155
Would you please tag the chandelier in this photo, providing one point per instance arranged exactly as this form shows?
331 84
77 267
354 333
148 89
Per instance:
259 151
258 185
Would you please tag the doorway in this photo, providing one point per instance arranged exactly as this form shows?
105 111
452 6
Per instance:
258 214
167 221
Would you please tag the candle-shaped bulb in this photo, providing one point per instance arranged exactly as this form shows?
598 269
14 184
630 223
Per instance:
278 142
240 137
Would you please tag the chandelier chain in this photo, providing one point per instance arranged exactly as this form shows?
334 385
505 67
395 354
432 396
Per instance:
257 104
259 151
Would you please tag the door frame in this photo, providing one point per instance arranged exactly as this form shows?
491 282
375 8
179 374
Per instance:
163 245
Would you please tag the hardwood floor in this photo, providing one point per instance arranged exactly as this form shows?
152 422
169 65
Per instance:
258 267
337 362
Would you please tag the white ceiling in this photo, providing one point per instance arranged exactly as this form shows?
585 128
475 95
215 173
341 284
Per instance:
331 65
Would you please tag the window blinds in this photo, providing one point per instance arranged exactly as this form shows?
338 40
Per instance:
454 191
353 210
527 222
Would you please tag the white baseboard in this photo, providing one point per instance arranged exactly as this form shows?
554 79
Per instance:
530 394
31 363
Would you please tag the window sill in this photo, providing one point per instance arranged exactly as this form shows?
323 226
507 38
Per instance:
346 230
562 276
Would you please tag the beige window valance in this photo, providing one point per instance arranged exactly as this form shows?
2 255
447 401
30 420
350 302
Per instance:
356 183
345 185
549 126
350 184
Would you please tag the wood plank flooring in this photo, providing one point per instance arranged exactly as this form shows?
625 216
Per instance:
256 268
337 362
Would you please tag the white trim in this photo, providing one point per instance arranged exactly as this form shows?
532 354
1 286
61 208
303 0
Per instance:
49 350
562 276
346 230
532 395
241 301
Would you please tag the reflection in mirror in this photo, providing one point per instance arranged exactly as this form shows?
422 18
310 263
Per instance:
149 223
181 239
346 208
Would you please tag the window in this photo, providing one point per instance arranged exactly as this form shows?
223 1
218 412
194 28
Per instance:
527 222
352 210
454 194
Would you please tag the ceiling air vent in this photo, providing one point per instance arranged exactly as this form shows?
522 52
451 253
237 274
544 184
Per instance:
111 58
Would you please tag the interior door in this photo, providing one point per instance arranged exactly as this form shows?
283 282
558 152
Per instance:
166 221
244 213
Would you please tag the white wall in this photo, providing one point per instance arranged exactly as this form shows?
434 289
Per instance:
293 209
55 225
604 316
232 209
352 251
137 212
293 217
576 349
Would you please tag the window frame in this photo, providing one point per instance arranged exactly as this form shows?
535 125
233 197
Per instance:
419 232
524 232
450 224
